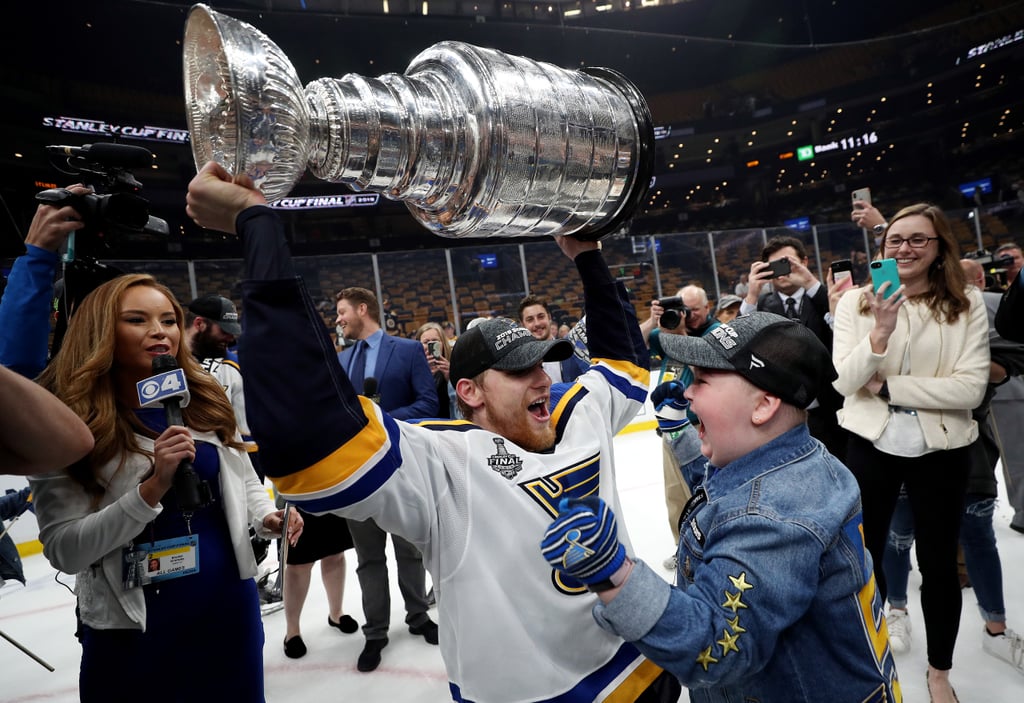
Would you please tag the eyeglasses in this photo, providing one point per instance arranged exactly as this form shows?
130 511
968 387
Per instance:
918 241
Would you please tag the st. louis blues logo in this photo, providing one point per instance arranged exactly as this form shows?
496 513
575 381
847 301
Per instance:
508 465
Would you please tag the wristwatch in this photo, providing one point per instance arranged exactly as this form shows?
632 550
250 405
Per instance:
878 229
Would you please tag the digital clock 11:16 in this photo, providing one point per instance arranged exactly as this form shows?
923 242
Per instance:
860 140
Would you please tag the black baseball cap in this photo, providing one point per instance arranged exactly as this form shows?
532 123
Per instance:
774 353
219 309
502 344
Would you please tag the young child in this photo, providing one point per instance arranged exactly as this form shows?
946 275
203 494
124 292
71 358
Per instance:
776 600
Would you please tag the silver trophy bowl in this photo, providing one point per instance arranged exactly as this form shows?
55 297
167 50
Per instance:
474 141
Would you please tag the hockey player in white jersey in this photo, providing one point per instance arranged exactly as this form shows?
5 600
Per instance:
474 496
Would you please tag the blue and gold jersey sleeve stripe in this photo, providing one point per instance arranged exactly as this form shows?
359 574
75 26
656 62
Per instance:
634 673
352 472
232 362
627 378
563 411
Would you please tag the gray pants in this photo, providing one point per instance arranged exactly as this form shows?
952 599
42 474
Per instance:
1008 417
369 541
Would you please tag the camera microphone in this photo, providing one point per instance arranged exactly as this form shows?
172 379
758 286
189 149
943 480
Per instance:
167 387
108 154
370 389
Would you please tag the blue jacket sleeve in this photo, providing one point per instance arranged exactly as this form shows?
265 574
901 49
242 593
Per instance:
25 312
424 393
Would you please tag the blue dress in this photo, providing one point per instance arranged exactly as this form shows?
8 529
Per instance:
204 634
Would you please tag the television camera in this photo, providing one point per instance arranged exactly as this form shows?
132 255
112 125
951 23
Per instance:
114 210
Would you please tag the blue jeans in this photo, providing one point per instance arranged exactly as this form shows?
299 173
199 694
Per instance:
980 553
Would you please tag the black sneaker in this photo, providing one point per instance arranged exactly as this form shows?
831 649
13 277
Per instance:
428 629
369 659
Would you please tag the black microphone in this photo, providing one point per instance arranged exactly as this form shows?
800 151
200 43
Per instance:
370 389
191 491
108 154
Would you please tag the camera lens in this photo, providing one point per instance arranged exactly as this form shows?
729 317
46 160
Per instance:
671 319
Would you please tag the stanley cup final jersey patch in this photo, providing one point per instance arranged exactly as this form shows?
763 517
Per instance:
508 465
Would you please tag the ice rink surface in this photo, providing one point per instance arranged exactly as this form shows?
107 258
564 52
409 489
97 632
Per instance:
41 617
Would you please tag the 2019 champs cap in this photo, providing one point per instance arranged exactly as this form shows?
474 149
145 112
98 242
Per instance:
774 353
219 309
502 344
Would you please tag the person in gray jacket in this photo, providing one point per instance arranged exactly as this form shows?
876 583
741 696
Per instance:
113 516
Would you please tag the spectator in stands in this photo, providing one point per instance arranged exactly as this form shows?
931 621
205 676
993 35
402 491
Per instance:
912 366
728 308
438 354
534 315
1013 251
799 295
563 330
404 387
108 514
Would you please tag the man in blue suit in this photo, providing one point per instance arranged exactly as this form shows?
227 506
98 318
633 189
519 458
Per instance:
402 385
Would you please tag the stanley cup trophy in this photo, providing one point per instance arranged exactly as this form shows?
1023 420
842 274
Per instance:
475 142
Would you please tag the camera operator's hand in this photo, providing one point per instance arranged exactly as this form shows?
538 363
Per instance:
865 215
215 200
836 291
439 364
174 445
760 274
51 225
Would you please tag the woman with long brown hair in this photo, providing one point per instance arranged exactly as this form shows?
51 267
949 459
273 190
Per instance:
193 621
912 365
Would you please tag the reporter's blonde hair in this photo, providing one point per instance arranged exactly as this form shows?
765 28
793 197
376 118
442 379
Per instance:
80 375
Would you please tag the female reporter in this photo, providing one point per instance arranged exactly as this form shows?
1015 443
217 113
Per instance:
194 624
918 361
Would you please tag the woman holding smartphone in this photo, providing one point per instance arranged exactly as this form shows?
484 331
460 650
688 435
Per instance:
438 352
912 365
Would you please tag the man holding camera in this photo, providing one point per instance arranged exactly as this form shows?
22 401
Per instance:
799 295
688 313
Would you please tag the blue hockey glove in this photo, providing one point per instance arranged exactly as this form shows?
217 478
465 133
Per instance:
670 406
583 541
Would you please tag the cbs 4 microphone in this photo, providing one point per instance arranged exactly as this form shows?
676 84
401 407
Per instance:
167 387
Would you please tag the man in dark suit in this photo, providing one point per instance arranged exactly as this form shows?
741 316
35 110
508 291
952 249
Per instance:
405 388
799 295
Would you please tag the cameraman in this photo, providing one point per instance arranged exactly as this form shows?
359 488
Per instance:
682 462
27 301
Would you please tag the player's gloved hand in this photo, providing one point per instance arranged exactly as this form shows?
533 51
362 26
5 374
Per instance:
583 542
670 406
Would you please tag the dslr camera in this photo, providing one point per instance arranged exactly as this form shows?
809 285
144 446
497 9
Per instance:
675 312
115 213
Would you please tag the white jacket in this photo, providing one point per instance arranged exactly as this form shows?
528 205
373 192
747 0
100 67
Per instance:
949 367
78 538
